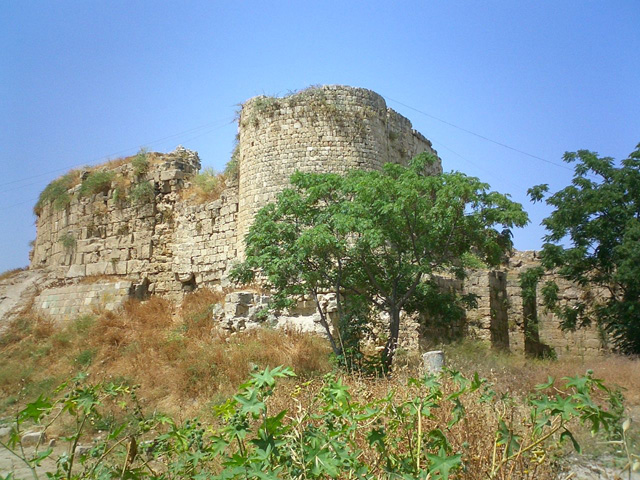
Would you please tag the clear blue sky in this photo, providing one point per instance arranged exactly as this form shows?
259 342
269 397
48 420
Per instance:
84 81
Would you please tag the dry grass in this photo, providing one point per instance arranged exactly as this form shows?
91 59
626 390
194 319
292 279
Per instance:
183 366
6 275
206 186
173 353
519 375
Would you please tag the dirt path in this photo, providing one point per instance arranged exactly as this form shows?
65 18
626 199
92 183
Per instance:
9 463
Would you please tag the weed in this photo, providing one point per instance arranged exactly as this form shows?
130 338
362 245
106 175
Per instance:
57 193
98 181
82 325
140 163
335 429
231 168
85 358
119 195
143 192
68 241
206 186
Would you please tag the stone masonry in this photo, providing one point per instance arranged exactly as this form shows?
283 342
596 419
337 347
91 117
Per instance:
166 244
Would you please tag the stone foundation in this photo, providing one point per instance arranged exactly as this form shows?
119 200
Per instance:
68 302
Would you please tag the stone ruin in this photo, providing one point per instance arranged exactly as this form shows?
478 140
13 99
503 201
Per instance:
100 250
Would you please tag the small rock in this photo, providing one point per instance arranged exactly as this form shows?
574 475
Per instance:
32 438
52 443
82 450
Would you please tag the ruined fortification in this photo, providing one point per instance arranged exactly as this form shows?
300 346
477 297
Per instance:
140 234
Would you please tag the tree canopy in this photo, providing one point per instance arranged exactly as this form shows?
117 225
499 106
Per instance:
593 240
378 240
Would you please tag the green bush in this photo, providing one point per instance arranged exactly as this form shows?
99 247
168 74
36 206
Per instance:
57 193
331 435
96 182
85 358
208 181
143 192
140 162
231 168
67 240
119 195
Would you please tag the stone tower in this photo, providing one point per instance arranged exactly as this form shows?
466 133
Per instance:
322 129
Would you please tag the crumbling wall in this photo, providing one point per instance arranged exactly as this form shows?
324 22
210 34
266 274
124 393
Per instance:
501 301
114 232
204 241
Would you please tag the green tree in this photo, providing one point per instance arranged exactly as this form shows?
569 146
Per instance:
593 240
378 240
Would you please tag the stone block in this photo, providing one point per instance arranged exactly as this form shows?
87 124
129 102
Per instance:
98 268
76 271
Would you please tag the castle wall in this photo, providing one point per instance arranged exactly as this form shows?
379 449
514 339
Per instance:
68 302
204 241
325 129
508 307
118 235
168 245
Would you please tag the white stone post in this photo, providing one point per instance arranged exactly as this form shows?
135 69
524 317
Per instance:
433 361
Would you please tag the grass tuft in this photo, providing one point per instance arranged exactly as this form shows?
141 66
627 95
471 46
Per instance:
143 192
98 181
57 192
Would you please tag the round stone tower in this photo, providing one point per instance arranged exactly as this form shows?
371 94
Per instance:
321 129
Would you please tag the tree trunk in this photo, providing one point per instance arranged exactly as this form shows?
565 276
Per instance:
392 343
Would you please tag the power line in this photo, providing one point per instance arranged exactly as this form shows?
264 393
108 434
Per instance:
206 132
478 135
106 157
479 167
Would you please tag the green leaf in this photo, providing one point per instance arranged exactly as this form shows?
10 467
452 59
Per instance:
567 434
442 464
35 410
544 386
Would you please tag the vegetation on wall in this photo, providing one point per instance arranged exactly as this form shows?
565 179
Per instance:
140 162
68 241
101 179
57 193
593 240
97 181
142 192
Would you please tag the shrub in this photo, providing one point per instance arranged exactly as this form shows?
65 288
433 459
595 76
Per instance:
140 162
143 192
57 193
231 168
85 358
205 186
422 433
96 182
67 240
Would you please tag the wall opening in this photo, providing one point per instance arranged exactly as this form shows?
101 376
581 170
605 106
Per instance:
533 346
499 304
